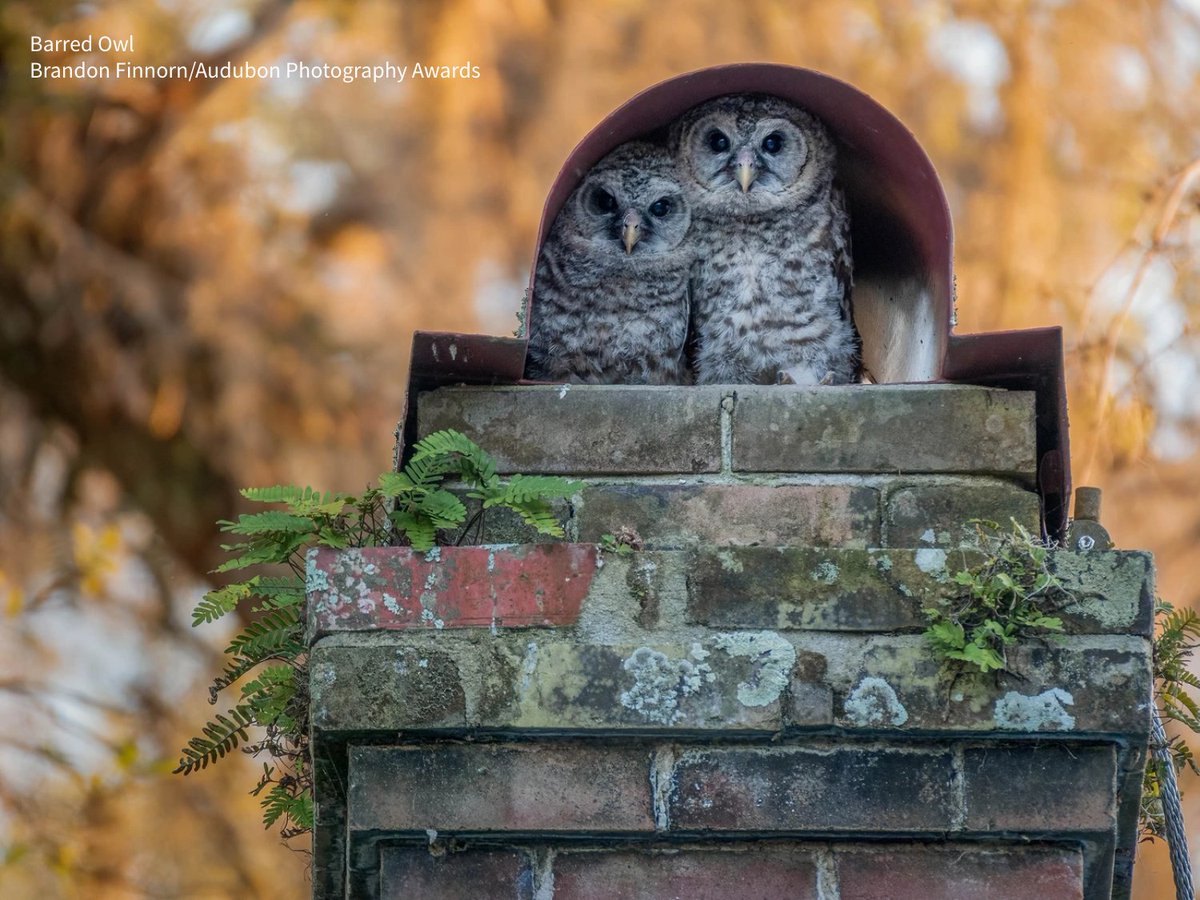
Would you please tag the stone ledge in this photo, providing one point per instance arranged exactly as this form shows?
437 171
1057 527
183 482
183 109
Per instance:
806 589
884 428
611 429
737 682
583 429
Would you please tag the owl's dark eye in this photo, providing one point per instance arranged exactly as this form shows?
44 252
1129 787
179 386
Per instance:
604 201
717 141
661 207
773 142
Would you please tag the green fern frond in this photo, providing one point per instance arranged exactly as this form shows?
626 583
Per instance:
474 464
273 521
421 473
278 630
259 553
221 737
524 488
280 802
303 501
538 515
222 601
420 532
443 509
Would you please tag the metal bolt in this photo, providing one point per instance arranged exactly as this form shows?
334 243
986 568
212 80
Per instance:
1086 542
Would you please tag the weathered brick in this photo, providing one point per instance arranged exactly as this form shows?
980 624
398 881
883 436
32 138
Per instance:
448 587
884 428
584 429
818 590
732 682
1112 592
1039 787
500 788
384 688
960 872
1082 686
938 515
759 872
835 589
670 516
408 873
839 789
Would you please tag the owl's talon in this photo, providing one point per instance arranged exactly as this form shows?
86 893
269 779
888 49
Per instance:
828 379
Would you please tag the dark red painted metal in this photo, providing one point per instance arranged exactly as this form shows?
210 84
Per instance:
902 234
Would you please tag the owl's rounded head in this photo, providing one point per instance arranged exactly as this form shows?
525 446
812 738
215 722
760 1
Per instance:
629 210
752 153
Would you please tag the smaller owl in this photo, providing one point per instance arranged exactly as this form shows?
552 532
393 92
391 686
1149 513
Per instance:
611 305
771 289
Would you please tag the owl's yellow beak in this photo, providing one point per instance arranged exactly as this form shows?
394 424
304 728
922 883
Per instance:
631 230
745 170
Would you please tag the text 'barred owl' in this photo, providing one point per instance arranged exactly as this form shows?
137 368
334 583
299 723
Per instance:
611 305
770 294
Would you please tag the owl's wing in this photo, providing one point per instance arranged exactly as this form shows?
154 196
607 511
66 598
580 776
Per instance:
691 340
843 259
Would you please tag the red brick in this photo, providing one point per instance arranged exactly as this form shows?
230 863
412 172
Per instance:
961 873
672 516
448 587
752 873
500 788
408 873
795 789
1040 787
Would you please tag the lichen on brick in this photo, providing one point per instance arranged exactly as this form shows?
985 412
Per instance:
660 683
775 658
1039 712
932 562
825 572
873 702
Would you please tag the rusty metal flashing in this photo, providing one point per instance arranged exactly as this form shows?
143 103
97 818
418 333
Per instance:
904 277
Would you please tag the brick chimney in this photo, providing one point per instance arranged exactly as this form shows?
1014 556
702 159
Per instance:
746 707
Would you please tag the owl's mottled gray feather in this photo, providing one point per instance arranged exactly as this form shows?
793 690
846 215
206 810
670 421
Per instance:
611 302
770 289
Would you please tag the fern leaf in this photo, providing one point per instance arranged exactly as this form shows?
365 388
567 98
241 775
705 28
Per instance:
473 463
524 488
278 630
273 521
221 736
538 515
397 484
443 509
224 600
426 472
419 531
261 553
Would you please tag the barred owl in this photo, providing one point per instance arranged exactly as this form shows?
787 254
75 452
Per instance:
611 304
770 293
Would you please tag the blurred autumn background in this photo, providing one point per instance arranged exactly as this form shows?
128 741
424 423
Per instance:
210 285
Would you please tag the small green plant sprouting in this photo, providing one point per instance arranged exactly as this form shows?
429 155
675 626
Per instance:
1008 595
1177 639
623 542
411 507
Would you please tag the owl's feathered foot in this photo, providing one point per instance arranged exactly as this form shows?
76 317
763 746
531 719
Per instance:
802 376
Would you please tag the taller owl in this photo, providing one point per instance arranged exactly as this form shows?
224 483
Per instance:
771 288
